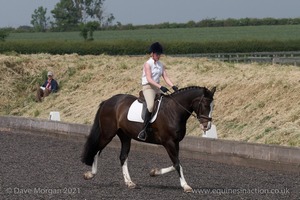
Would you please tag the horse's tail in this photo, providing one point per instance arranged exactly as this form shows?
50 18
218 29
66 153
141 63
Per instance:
91 146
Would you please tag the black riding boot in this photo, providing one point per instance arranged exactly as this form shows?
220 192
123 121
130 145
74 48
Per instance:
143 134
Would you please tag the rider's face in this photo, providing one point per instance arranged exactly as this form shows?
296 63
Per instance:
156 56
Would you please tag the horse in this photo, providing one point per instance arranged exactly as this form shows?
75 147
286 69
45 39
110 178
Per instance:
167 130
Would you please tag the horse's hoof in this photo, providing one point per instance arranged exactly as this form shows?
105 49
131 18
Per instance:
88 175
154 172
187 189
131 185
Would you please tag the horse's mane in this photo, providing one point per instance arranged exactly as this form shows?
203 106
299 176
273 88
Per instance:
188 88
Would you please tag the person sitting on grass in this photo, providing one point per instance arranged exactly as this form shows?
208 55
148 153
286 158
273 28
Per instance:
49 86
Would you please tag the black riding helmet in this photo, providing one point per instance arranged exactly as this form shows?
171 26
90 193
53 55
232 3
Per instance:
156 48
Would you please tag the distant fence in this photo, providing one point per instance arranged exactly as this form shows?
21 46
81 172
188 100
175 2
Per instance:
289 57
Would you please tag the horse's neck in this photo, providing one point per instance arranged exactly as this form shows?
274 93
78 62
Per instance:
186 97
183 100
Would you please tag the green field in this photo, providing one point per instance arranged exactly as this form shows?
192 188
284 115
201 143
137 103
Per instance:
216 34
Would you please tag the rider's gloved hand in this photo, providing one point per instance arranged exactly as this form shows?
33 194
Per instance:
164 89
175 88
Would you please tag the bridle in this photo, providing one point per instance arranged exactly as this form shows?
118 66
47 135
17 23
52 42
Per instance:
198 110
194 115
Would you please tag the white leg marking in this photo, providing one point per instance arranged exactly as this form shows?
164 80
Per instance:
95 164
183 183
126 175
167 170
156 172
90 174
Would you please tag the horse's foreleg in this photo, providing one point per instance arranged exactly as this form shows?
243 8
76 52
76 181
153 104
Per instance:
183 183
157 172
90 174
173 152
126 143
126 175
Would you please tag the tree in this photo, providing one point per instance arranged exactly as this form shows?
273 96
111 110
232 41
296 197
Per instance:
92 9
191 24
89 27
109 20
68 14
3 34
39 19
84 31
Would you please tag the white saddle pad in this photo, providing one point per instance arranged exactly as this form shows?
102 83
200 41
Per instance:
135 112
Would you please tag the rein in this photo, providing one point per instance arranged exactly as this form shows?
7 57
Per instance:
191 113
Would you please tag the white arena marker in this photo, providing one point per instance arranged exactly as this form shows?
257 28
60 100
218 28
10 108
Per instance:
54 116
211 133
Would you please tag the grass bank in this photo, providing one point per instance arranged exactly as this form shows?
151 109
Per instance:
254 102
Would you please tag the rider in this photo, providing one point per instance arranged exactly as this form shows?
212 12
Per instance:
152 71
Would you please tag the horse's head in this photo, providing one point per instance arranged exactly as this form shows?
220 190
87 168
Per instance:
203 107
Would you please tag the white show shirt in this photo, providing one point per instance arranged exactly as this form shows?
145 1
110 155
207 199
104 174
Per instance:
156 71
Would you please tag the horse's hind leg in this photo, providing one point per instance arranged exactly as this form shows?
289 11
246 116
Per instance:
90 174
103 143
126 143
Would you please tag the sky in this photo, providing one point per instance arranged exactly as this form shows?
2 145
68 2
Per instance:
15 13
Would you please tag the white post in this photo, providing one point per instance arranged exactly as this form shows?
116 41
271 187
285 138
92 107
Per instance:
54 115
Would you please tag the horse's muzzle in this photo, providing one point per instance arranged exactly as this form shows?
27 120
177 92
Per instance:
206 126
205 122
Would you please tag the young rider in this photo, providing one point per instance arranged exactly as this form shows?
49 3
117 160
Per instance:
152 71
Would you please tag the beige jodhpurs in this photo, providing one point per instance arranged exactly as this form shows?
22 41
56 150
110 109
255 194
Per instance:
149 92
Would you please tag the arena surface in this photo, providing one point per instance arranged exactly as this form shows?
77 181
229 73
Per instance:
43 167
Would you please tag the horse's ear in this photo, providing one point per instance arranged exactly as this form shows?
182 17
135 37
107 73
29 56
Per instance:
213 90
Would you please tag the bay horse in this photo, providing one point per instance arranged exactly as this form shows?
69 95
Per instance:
167 130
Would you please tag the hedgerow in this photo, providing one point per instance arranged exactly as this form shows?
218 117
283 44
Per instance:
128 47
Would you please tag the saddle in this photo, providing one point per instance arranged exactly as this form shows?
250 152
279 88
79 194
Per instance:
137 110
